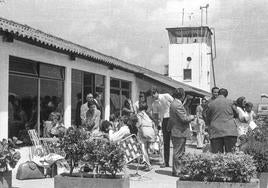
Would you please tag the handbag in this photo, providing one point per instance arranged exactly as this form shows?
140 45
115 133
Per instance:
29 170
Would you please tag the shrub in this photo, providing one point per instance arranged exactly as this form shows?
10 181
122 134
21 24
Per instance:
72 143
229 167
104 156
257 144
82 149
8 156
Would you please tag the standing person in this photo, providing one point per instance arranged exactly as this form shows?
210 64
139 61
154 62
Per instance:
146 132
222 127
84 107
180 129
250 115
78 110
215 94
156 116
98 100
241 120
92 120
164 100
142 99
200 123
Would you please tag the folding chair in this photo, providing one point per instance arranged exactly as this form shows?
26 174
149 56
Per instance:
43 153
133 150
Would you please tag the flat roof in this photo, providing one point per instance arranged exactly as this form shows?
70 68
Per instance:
189 31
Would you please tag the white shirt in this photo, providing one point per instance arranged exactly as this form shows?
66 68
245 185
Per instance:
83 111
119 135
242 125
165 100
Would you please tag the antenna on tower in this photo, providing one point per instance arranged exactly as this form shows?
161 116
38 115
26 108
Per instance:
201 8
182 19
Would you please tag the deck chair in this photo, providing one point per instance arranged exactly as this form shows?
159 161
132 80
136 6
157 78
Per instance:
42 152
132 149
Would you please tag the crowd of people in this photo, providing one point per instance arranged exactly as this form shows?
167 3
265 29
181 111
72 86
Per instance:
219 122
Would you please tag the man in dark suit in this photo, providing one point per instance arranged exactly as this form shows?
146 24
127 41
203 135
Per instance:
179 126
222 127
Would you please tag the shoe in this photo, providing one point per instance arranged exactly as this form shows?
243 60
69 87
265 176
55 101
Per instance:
163 165
174 174
167 165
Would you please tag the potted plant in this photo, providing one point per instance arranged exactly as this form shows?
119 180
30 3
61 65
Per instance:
105 160
8 159
208 170
257 146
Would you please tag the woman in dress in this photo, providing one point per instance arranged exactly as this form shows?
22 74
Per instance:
241 120
146 132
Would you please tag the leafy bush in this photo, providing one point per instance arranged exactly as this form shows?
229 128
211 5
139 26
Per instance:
8 156
99 154
228 167
104 156
257 144
72 143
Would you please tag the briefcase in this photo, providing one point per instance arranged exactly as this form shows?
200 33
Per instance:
29 170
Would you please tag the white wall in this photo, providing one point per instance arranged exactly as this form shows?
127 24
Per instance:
27 51
200 64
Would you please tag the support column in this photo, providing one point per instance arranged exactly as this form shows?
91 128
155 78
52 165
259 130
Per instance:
4 62
134 91
107 96
67 97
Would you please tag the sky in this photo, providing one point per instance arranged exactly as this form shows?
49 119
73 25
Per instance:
135 31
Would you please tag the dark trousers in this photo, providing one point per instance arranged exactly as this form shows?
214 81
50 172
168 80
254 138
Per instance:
178 152
223 144
166 139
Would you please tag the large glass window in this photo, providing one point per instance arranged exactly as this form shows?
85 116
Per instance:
35 90
84 83
120 91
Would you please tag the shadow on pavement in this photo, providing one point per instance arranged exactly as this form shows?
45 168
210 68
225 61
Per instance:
164 172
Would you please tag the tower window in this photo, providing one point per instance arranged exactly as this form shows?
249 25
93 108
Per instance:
187 74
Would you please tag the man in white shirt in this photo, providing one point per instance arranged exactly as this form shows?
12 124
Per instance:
164 101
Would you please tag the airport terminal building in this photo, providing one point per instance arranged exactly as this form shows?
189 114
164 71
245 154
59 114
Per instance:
37 68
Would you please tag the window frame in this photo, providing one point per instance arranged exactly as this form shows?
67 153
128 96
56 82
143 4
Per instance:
185 75
39 78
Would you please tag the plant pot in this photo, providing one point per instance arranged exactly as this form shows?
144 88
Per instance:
6 179
200 184
76 181
264 180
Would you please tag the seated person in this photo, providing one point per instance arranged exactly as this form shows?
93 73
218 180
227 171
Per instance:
114 136
92 120
128 108
54 126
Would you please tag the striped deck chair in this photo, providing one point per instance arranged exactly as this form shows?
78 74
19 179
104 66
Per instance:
43 150
132 148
